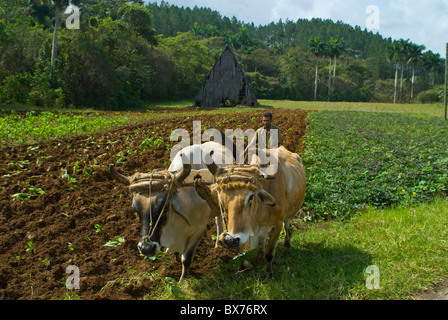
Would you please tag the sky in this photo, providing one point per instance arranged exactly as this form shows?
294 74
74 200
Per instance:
422 21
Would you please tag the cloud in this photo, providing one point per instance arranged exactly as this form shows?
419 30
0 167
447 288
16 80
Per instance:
291 9
348 11
423 22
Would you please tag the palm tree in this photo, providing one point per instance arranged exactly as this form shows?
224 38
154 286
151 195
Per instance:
328 52
414 53
333 49
433 63
393 55
58 5
403 53
317 47
337 47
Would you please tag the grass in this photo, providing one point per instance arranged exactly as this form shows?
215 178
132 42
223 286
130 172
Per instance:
409 245
436 110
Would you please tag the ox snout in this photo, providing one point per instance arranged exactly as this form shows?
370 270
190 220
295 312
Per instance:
148 248
231 241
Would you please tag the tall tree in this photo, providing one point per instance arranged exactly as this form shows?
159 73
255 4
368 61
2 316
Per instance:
337 47
317 47
333 49
433 63
328 52
414 54
393 55
58 10
403 54
139 19
59 6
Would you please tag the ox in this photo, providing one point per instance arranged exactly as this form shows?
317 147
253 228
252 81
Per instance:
254 205
171 212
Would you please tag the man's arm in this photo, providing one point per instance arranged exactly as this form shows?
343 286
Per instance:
252 143
279 137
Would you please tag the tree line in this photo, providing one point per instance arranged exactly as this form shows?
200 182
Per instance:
127 53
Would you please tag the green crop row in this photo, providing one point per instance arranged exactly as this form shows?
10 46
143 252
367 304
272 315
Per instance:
356 159
32 127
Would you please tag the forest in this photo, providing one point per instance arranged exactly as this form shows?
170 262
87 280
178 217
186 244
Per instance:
127 53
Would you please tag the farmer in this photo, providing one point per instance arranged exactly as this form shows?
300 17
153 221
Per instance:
264 133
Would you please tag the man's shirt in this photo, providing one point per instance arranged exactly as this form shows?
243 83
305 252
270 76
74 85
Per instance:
266 137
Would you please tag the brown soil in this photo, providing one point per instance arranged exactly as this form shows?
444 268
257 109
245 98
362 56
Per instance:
60 224
437 292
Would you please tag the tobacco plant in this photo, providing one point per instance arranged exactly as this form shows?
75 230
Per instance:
357 159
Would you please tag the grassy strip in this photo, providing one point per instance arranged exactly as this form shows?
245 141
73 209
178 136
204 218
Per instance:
408 245
436 110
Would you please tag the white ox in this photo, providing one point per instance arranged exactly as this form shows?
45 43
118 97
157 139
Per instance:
172 214
255 206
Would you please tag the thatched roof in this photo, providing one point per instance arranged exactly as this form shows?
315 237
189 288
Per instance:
226 84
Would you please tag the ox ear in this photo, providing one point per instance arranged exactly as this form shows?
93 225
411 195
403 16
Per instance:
179 210
266 198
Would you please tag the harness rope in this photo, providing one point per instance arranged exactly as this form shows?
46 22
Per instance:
169 194
221 204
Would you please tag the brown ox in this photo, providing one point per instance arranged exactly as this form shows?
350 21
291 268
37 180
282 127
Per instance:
255 206
172 214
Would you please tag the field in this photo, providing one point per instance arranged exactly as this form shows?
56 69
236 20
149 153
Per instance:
59 207
382 159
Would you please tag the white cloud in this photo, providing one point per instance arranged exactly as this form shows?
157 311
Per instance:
423 22
325 9
291 9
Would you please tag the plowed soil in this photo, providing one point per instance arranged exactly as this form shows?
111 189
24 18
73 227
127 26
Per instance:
83 208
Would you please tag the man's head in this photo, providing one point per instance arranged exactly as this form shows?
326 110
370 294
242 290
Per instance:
267 120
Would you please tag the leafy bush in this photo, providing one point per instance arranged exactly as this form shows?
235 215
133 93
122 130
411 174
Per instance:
429 96
15 88
441 92
355 159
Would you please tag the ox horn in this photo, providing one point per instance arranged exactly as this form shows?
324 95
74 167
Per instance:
184 173
117 176
212 167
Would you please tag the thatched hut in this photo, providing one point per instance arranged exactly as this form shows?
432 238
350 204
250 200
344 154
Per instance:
226 85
